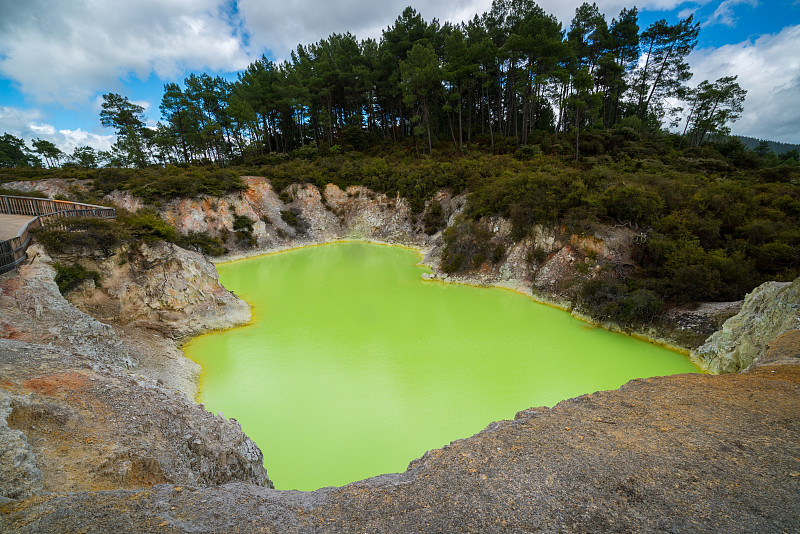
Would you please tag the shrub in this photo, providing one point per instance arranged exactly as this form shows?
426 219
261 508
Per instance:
69 277
527 152
243 227
433 218
290 217
499 253
203 243
18 193
160 185
243 223
146 224
774 257
467 245
610 299
82 236
627 204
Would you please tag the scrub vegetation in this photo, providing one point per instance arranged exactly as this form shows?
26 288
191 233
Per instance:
68 277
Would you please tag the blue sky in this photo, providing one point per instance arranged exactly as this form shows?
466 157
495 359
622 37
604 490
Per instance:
58 58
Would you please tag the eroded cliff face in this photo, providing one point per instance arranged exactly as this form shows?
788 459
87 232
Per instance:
51 187
162 287
326 215
33 310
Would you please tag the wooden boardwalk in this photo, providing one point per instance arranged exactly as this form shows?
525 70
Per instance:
20 215
10 225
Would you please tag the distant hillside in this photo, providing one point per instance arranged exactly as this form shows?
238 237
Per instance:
775 146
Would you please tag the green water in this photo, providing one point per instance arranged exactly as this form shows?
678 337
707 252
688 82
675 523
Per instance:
354 366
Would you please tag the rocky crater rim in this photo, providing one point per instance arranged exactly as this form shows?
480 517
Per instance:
726 444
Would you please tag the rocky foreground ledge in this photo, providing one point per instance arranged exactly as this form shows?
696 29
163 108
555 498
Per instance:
687 453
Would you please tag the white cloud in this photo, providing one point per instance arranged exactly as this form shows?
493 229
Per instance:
724 13
16 121
769 69
29 124
68 140
280 27
67 52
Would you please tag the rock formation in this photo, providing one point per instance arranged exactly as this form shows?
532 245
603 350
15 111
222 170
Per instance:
73 423
768 311
85 405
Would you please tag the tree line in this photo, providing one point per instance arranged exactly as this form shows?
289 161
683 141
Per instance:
502 77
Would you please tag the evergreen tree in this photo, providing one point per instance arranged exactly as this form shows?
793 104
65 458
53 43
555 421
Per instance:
127 119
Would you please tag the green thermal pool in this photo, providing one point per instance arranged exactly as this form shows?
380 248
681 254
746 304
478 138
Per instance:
353 366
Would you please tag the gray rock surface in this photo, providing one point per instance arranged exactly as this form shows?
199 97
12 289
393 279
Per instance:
690 327
151 298
32 309
88 426
21 477
50 186
767 312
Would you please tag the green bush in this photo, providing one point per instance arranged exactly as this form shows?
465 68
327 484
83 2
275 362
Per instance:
290 217
433 219
499 253
468 244
628 204
154 185
527 152
243 223
772 258
611 300
147 225
82 236
243 227
203 243
18 193
68 277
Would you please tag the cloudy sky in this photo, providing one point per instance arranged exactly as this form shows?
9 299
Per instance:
57 58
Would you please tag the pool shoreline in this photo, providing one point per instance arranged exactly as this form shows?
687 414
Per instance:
420 262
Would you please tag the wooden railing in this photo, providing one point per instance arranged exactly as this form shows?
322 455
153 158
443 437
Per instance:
12 251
